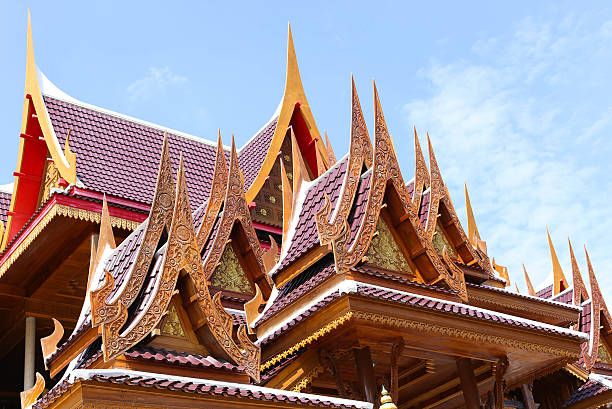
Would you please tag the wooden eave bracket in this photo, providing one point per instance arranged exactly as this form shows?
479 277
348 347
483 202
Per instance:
49 343
29 397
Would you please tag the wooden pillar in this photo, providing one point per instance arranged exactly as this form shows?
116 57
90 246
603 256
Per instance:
396 352
30 353
528 396
468 383
365 372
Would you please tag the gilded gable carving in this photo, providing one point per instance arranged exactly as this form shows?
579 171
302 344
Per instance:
440 240
230 275
384 251
173 326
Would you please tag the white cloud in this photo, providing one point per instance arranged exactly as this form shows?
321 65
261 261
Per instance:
156 81
527 122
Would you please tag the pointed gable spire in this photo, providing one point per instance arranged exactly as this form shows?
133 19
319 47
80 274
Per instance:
293 96
437 189
472 232
217 194
503 272
65 160
599 310
421 173
559 281
530 289
160 216
106 238
580 291
360 155
331 157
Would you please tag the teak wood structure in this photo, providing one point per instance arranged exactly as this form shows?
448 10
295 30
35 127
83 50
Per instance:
161 270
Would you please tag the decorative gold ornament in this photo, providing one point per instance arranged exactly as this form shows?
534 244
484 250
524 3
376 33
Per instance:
230 275
384 252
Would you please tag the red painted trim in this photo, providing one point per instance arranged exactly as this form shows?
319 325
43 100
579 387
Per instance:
110 199
270 229
31 137
76 203
33 178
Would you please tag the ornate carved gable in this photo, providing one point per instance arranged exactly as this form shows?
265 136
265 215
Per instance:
183 259
235 224
601 321
360 156
442 216
158 225
387 188
580 291
230 276
385 252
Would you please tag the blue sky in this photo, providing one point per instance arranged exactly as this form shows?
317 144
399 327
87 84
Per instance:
515 95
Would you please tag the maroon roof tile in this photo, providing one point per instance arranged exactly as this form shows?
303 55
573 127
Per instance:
306 235
585 317
590 389
566 297
120 157
359 205
5 205
201 386
179 358
301 285
545 292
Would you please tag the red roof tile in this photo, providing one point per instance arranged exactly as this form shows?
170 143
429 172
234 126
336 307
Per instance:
121 157
179 358
200 386
545 292
306 236
5 205
590 389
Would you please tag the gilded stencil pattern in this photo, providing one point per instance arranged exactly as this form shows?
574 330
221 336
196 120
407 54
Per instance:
52 176
173 326
384 251
440 240
230 275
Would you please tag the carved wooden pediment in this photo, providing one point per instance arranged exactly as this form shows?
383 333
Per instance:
183 258
103 310
386 181
580 292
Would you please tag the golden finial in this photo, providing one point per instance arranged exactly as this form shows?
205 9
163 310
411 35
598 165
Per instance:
385 400
473 234
558 276
503 272
530 289
516 287
105 238
251 307
270 255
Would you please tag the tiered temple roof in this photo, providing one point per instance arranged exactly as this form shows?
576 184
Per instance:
274 274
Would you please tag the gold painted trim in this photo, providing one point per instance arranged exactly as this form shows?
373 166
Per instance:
66 211
307 380
294 93
474 336
64 161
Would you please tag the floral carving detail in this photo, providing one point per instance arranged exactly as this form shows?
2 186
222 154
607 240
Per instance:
230 275
360 154
104 310
217 195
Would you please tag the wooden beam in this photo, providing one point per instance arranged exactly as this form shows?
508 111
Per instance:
528 396
468 383
365 372
396 352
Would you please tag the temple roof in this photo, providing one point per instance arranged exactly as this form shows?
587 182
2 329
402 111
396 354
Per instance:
196 385
118 155
5 204
596 385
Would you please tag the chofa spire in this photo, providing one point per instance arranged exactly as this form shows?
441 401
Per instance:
559 281
580 292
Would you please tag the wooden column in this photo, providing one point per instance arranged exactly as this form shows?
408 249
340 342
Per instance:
30 353
528 396
468 383
365 372
396 352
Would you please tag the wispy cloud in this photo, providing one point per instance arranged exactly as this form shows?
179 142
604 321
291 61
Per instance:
526 121
155 82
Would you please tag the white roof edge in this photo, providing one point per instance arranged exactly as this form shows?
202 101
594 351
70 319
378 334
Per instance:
536 298
548 281
49 89
85 374
602 379
7 188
